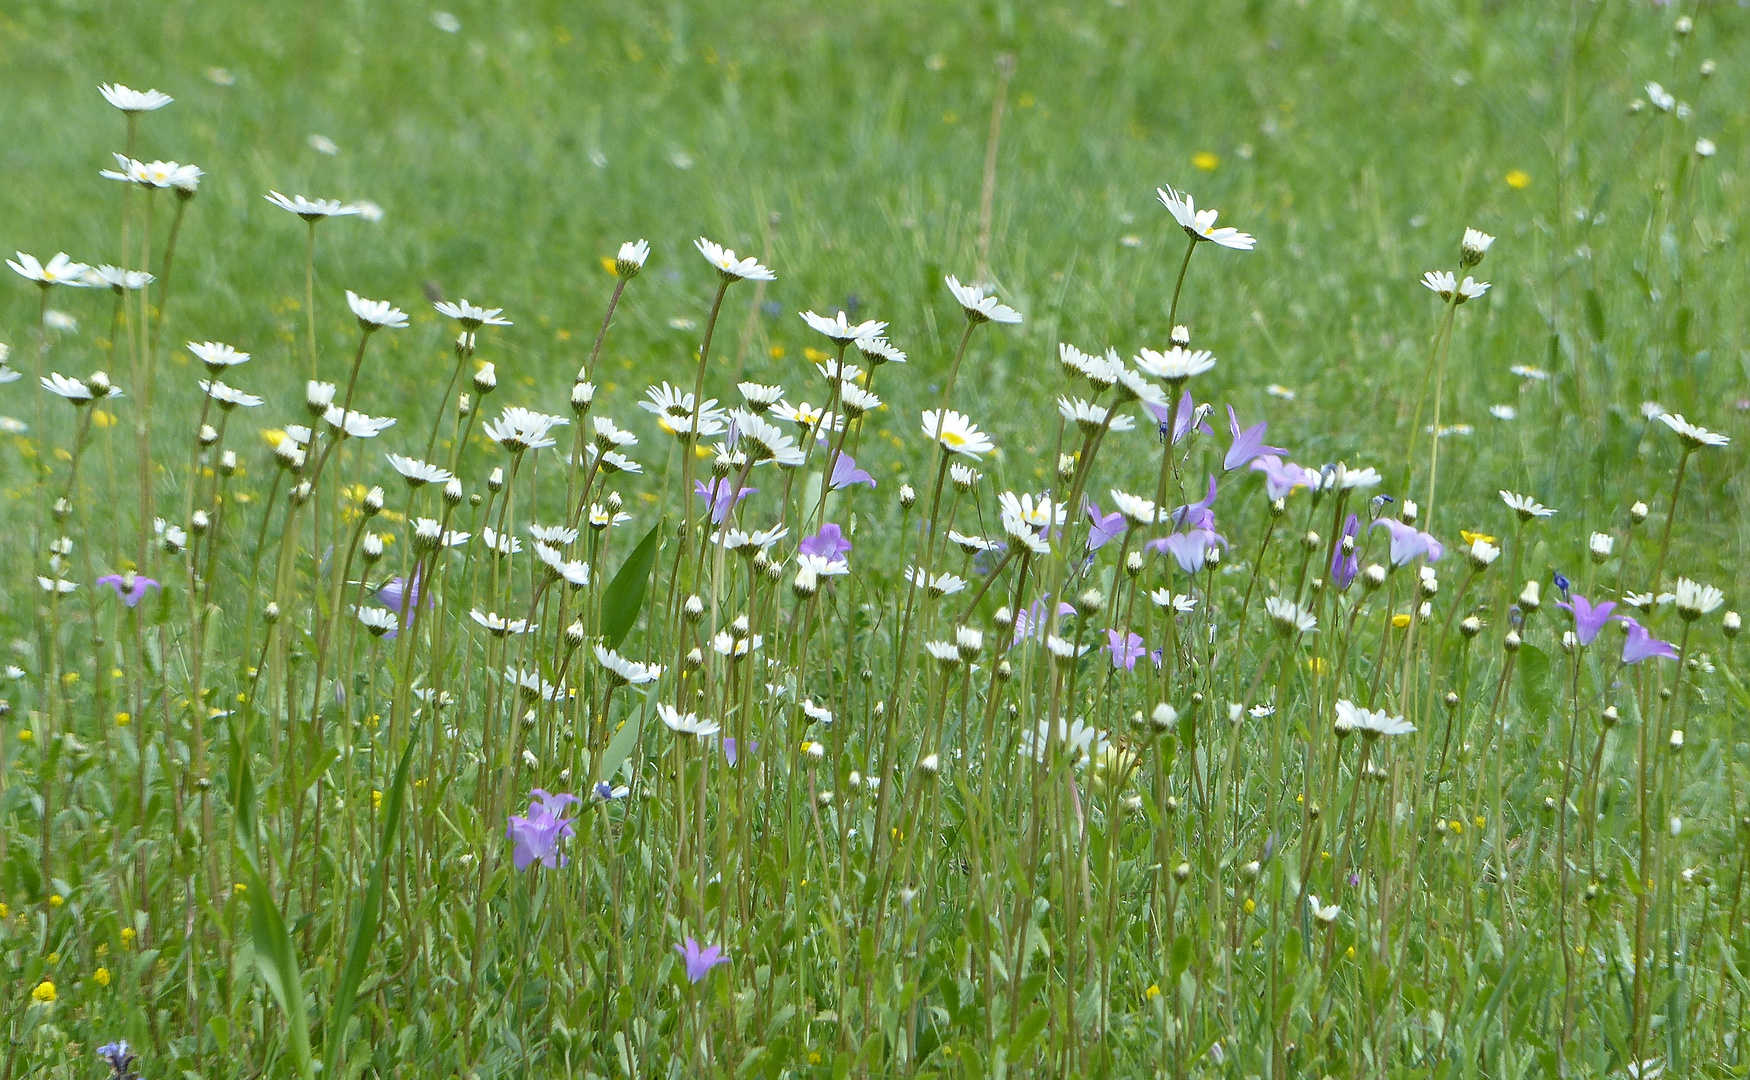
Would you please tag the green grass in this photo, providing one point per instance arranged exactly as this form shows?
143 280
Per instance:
845 146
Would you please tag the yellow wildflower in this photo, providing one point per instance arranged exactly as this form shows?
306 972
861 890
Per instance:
100 976
1153 991
1472 537
1401 619
102 419
1518 179
776 352
376 800
123 719
56 900
1251 905
44 992
1205 161
814 355
127 937
609 265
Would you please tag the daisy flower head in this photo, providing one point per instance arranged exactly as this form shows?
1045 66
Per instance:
1199 225
228 397
518 429
1473 247
1136 510
979 306
381 622
418 473
312 210
1525 506
134 101
59 270
956 433
730 267
839 328
878 350
1503 412
1176 364
217 356
1694 436
808 416
1091 418
764 440
856 400
631 259
357 424
686 723
1290 617
624 671
1449 288
609 436
74 390
374 315
1695 599
114 277
471 317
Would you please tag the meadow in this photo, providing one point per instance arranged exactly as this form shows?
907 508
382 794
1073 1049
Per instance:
784 540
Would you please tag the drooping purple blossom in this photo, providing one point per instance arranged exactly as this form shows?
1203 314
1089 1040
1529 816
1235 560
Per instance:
1589 618
1642 645
1030 622
1345 564
536 836
720 495
1126 649
1248 445
1408 543
131 591
845 473
1197 515
829 543
699 960
1190 549
1188 415
732 751
1102 528
1282 477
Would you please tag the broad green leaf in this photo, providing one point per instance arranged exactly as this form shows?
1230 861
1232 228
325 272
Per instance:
624 595
278 964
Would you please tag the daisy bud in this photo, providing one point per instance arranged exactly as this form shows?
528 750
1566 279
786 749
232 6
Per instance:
1133 563
1637 105
614 502
300 494
970 642
1164 717
1310 541
1638 513
694 609
1676 738
1003 617
228 463
1610 716
1373 577
199 522
373 504
271 613
1512 641
806 585
1066 467
1251 869
908 496
1474 246
62 510
372 548
1731 624
824 799
1317 585
1346 545
1428 584
100 385
1171 806
207 435
1182 873
174 540
582 394
453 492
1408 512
1676 826
495 481
1683 26
486 380
1278 507
965 479
318 396
464 405
740 626
695 659
574 636
1531 597
814 749
474 499
1708 67
1180 336
1471 626
1212 556
1090 602
1005 671
1570 641
931 765
465 343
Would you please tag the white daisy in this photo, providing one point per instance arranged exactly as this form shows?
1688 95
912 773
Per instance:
631 259
1289 616
74 390
518 429
760 397
216 355
312 209
59 270
502 543
626 671
357 424
980 307
471 317
1525 506
133 101
1200 224
1503 412
1174 365
956 433
1136 510
731 267
1694 436
418 473
878 351
687 723
114 277
379 621
375 314
498 625
228 397
1444 283
839 328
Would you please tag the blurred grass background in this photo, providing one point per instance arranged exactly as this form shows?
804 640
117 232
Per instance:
512 145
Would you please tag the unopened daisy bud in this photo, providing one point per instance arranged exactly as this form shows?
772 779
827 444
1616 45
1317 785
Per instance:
371 548
1278 507
1638 513
453 492
1408 511
806 584
318 396
1471 626
969 641
614 501
908 496
1005 671
174 540
694 608
289 455
1373 577
1428 584
62 510
1512 641
814 749
100 385
740 626
1251 869
1531 597
1090 602
1066 467
1730 624
464 405
199 522
1182 873
965 479
1164 717
1601 545
630 259
1473 247
228 463
1676 826
1213 556
1003 617
1683 26
582 394
373 503
1610 716
207 435
465 343
1707 69
1676 738
1171 805
495 481
574 635
486 380
1570 641
1180 336
695 659
1310 541
300 494
824 799
426 534
1133 563
271 613
930 765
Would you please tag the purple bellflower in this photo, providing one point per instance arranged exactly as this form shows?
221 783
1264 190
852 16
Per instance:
1197 515
1345 565
1126 649
700 961
1282 477
1248 445
131 591
1190 549
1102 528
829 543
536 837
1642 645
1181 423
845 473
720 495
1408 544
1589 618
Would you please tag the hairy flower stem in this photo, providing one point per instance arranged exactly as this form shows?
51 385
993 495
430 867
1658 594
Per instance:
1670 520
